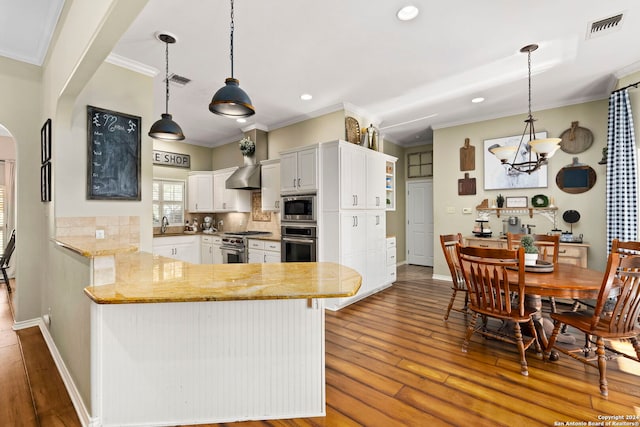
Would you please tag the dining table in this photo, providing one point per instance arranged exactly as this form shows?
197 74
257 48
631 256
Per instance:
565 281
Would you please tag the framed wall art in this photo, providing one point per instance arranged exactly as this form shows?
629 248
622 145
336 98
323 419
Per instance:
45 142
45 182
499 177
113 155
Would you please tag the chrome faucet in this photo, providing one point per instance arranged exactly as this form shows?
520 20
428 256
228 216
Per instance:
163 227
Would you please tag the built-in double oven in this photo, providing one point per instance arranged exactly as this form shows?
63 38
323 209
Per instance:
299 229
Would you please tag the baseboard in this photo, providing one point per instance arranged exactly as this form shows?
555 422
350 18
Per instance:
74 394
441 277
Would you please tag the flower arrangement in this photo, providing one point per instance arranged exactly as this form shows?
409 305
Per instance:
247 146
527 243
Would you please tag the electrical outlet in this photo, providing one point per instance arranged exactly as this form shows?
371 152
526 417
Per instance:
451 210
99 234
467 211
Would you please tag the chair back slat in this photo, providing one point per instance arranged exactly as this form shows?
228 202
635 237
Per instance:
8 250
448 243
622 282
487 276
548 245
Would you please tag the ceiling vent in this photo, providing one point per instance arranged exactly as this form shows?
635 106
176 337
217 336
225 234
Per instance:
604 26
179 80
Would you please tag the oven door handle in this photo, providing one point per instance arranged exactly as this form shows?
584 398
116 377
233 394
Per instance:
230 249
291 239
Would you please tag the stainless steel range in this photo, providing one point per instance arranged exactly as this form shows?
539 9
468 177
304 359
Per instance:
234 245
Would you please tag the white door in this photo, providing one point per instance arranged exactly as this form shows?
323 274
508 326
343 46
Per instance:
420 223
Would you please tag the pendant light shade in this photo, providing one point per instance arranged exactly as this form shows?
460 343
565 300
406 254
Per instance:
230 100
165 128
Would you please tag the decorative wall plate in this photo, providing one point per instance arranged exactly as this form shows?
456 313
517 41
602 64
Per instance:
352 130
539 201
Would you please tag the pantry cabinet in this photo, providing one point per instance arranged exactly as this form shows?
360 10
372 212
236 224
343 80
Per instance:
352 225
228 200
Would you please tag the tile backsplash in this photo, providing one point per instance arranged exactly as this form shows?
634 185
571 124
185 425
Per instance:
124 228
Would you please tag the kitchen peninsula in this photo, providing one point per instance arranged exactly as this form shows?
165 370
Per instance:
180 343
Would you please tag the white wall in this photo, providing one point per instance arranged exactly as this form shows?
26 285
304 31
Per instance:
591 204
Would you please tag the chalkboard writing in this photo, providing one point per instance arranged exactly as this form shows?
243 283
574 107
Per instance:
113 160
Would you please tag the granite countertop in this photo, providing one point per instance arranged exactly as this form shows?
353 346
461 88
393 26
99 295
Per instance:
145 278
90 247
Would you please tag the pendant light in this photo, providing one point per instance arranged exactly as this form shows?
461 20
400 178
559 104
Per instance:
542 148
230 100
165 128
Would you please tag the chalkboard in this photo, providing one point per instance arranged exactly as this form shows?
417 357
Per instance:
113 157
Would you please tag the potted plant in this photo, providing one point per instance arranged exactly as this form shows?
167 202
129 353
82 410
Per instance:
530 250
500 200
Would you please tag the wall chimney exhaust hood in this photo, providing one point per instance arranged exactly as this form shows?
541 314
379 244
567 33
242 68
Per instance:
246 177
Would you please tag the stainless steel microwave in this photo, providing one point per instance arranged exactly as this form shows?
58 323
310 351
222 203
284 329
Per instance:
300 208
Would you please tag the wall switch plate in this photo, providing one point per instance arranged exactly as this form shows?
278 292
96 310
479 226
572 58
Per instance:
467 211
451 210
99 234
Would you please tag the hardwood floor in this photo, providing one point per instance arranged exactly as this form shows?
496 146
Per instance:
390 360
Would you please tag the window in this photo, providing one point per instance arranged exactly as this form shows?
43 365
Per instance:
420 164
168 200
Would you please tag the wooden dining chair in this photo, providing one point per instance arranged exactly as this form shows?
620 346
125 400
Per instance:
448 243
6 257
548 250
485 271
621 321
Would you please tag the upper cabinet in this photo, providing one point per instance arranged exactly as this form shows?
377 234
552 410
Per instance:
270 170
358 174
200 192
227 200
299 171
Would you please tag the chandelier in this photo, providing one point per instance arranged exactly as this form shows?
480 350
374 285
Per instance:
535 152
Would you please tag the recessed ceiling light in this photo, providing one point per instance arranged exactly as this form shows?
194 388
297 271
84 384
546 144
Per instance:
477 100
241 120
407 13
306 97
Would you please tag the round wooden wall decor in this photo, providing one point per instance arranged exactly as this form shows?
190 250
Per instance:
576 139
576 179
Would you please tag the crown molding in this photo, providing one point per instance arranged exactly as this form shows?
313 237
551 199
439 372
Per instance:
132 65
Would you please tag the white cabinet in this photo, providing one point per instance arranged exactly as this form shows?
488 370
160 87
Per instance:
376 164
210 250
391 259
353 216
353 184
184 248
270 178
228 200
299 171
200 192
263 251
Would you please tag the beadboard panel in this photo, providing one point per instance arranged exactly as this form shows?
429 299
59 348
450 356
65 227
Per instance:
205 362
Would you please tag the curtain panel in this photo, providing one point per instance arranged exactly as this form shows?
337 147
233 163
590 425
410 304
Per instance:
622 204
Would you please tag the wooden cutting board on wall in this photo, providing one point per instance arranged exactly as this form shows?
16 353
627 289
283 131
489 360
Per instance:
466 186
